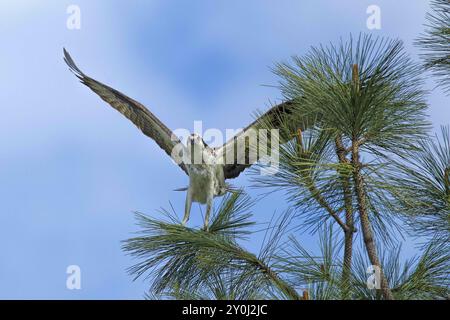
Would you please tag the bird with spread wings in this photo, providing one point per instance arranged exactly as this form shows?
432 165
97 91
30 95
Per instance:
207 167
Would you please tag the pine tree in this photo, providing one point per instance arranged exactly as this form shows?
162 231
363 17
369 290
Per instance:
435 42
358 120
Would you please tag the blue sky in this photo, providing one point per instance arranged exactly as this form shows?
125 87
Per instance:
72 170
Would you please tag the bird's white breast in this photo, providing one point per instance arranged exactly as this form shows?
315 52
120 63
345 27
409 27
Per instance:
201 181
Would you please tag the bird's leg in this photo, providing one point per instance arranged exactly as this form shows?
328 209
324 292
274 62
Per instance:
209 203
208 213
187 206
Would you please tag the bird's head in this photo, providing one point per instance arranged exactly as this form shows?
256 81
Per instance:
196 140
196 147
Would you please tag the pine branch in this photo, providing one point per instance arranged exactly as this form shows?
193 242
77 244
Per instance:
178 256
435 42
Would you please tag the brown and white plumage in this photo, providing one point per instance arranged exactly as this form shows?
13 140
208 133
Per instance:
239 163
207 180
149 124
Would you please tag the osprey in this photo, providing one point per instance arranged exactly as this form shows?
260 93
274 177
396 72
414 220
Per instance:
207 177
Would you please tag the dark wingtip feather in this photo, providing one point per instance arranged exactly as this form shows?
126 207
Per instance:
73 67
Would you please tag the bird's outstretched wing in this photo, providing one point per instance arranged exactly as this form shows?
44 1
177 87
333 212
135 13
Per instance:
235 161
150 125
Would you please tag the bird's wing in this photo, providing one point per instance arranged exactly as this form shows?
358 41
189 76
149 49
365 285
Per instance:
150 125
236 162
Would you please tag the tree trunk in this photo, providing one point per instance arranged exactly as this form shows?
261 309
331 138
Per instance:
347 268
349 221
365 222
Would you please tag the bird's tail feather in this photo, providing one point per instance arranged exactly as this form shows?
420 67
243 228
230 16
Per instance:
228 188
181 189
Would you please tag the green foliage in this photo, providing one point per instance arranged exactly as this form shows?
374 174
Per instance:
435 42
358 111
419 278
185 261
424 187
319 274
423 277
384 108
368 94
195 264
307 172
